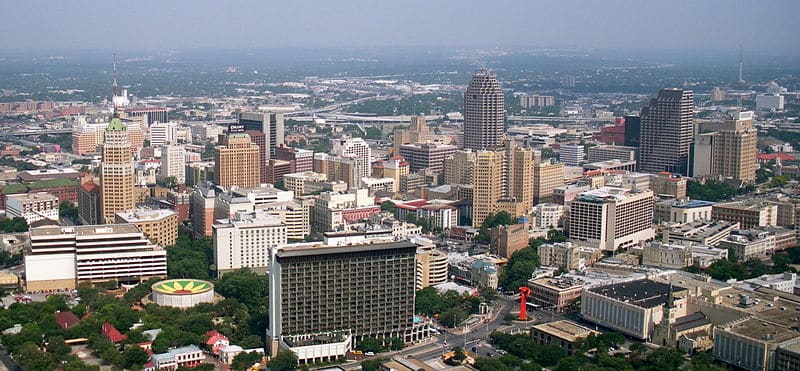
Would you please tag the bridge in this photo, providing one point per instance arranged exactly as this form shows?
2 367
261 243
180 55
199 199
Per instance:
25 133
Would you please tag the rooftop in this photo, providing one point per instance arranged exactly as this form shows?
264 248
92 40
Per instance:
566 330
642 293
37 196
296 250
85 230
145 215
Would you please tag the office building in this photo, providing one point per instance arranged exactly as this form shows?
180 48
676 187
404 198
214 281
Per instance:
534 100
633 131
729 152
345 169
302 159
564 333
607 152
394 168
160 226
769 102
459 167
116 172
520 176
668 185
609 166
271 124
548 216
612 218
613 134
237 162
488 184
667 256
666 132
750 213
431 267
571 154
303 183
555 294
244 241
749 244
563 255
356 148
202 201
484 114
296 215
173 163
90 209
332 210
682 210
87 137
60 257
276 169
308 296
150 115
429 156
417 132
632 308
162 134
33 207
547 176
700 232
508 239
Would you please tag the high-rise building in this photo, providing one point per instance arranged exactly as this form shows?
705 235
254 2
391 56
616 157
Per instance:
90 207
427 155
244 241
519 178
308 295
666 132
271 124
162 133
302 159
237 162
394 168
417 132
173 163
60 257
116 172
487 184
535 100
483 112
202 209
633 131
260 139
152 114
729 152
612 218
160 226
547 176
358 148
339 168
459 167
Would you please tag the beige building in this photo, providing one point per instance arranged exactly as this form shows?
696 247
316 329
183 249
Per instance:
417 132
33 207
459 167
395 168
730 151
612 218
566 255
296 182
748 213
237 162
564 333
160 226
508 239
116 172
431 267
667 256
555 294
519 166
547 176
668 184
488 184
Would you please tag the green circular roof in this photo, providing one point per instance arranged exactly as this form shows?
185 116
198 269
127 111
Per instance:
182 286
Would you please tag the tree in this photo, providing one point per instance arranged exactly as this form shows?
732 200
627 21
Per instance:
519 269
67 210
395 343
388 206
284 361
135 355
14 225
243 360
168 182
57 347
491 364
374 133
370 345
452 317
243 285
372 364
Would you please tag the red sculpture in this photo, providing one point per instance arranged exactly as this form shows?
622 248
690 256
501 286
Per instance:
524 292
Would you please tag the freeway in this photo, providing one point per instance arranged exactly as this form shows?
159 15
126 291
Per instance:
560 119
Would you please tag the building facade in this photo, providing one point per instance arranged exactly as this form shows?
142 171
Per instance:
666 132
244 241
237 162
116 172
160 226
484 114
612 218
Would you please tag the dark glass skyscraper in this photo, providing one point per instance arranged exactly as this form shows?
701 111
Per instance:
633 129
483 112
666 132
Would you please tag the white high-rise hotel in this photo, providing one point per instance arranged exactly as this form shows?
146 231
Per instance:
612 218
244 240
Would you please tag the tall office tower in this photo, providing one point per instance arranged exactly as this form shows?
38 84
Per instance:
237 162
90 209
244 241
488 186
271 124
571 154
547 176
427 155
417 132
302 159
483 112
339 168
519 165
666 132
116 171
633 130
363 290
459 167
355 147
173 163
260 139
612 218
729 152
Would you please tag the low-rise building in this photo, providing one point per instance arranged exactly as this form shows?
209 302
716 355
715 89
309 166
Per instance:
508 239
701 232
749 244
33 207
752 213
682 211
668 256
785 281
564 333
564 255
431 267
556 294
187 356
160 226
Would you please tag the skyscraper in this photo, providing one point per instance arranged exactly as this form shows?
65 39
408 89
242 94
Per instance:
483 112
237 162
519 164
116 171
417 132
488 184
173 163
612 218
729 151
633 130
271 124
666 132
356 148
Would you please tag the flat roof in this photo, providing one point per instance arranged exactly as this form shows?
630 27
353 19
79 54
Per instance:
287 251
85 230
641 293
763 330
145 215
565 329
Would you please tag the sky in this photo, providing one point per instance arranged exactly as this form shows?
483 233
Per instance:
759 25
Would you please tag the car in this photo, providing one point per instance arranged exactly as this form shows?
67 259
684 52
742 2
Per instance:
369 353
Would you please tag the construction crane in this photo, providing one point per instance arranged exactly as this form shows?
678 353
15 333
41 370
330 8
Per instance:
524 292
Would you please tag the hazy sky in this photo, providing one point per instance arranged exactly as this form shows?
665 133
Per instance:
761 25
